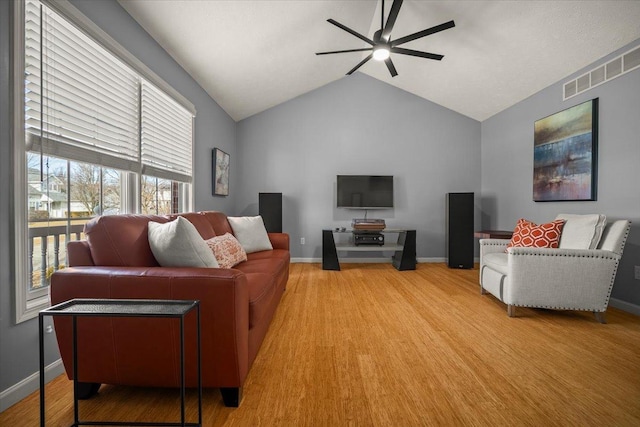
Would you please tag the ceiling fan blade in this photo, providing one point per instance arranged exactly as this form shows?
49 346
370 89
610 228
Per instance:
391 68
350 31
360 64
412 52
344 51
423 33
391 20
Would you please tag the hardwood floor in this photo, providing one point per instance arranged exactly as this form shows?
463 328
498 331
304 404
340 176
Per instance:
371 346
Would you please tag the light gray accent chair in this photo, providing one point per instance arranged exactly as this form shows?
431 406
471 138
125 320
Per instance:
561 279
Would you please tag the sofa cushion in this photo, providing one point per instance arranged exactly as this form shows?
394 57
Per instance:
529 234
270 266
276 253
219 223
227 250
121 240
262 288
178 244
200 221
581 231
496 261
251 233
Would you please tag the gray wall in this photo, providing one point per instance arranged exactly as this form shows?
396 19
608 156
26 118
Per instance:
213 128
507 164
358 125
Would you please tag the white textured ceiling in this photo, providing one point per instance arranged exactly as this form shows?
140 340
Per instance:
252 55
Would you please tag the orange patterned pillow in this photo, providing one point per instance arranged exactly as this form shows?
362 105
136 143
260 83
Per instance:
227 250
530 235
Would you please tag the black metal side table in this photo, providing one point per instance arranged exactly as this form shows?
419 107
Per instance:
122 308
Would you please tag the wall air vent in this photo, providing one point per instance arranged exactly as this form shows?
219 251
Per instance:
618 66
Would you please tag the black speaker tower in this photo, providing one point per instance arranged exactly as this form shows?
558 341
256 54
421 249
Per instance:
459 230
270 209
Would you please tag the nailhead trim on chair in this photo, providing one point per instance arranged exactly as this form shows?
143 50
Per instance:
606 302
559 308
624 240
495 244
567 255
615 269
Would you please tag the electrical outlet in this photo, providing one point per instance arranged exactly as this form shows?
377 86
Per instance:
302 241
637 272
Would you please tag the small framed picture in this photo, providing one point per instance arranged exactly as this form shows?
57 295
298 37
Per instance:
220 172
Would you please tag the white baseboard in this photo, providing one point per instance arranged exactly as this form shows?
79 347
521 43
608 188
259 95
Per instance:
362 260
432 260
625 306
24 388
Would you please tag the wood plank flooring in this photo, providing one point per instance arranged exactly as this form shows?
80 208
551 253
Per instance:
372 346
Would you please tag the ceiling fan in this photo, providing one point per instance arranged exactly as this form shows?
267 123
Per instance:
382 45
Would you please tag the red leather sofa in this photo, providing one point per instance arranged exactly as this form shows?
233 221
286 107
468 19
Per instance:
115 261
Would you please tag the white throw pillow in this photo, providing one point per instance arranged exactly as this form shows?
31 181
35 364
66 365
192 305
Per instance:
178 244
251 233
581 231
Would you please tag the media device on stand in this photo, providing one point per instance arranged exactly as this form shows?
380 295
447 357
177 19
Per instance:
368 238
367 231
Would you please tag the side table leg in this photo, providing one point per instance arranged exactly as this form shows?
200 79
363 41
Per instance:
74 333
182 370
199 369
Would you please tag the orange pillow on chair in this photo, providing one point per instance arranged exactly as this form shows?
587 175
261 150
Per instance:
530 235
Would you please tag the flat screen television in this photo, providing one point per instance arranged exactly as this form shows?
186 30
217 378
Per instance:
365 191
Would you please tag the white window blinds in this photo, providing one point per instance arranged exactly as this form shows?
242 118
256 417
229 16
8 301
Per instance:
166 136
81 102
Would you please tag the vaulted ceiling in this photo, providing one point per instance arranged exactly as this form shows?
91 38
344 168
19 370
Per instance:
252 55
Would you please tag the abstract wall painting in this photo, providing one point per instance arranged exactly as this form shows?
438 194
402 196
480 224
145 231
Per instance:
565 154
220 163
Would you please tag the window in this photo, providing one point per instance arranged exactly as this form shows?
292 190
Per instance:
100 135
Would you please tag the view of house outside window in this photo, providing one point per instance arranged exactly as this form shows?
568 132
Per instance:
62 196
157 196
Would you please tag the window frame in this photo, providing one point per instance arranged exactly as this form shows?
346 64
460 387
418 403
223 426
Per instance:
29 302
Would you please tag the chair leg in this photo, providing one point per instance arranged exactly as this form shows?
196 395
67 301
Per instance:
482 291
600 316
511 310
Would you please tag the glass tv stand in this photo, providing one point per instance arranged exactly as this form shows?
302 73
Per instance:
404 248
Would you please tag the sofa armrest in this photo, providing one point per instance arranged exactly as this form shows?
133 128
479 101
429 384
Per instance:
561 278
489 246
224 309
279 240
79 253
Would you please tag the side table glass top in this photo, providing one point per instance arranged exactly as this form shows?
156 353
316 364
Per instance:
122 307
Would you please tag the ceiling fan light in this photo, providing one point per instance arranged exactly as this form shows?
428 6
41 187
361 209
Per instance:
381 53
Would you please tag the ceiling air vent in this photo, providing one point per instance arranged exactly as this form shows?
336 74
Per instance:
616 67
